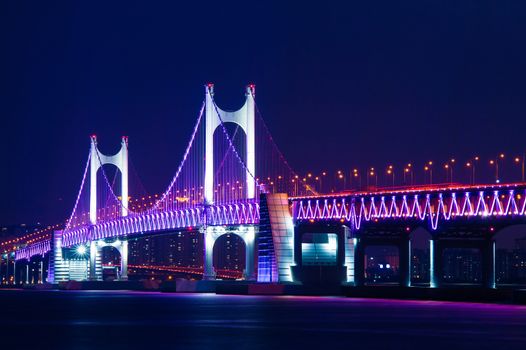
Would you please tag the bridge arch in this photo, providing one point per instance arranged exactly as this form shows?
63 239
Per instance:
420 238
110 259
246 233
229 252
229 176
97 249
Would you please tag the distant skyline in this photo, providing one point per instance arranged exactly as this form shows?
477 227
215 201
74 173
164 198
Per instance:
340 85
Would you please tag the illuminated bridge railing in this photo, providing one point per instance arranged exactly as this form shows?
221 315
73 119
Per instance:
227 214
433 205
39 248
244 213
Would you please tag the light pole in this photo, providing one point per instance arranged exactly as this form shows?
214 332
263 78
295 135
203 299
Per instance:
446 166
410 172
475 160
472 166
496 163
451 167
372 173
341 176
429 167
521 161
357 176
390 171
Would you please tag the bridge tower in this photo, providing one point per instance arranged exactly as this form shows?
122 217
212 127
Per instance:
245 118
120 160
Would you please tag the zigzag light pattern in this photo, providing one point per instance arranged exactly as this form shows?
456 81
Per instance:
432 205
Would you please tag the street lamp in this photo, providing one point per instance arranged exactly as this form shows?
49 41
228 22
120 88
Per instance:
372 174
472 166
410 172
390 171
429 167
451 167
357 176
496 163
341 176
518 160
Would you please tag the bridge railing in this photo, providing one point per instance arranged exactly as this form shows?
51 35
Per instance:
432 205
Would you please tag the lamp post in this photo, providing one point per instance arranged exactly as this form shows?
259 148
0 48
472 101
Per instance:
357 176
496 163
451 167
518 160
410 172
429 167
372 173
390 171
470 165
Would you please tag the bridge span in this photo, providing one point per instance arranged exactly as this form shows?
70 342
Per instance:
227 184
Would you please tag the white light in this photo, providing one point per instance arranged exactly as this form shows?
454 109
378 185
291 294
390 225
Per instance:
381 266
387 266
81 250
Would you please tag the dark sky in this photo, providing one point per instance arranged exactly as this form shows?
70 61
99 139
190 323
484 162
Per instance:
340 84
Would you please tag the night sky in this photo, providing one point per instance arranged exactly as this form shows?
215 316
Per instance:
340 84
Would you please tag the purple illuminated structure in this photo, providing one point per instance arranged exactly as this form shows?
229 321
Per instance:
218 188
432 205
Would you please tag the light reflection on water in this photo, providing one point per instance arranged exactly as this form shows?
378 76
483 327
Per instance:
93 319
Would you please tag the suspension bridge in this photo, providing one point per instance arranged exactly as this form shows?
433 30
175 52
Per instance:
233 179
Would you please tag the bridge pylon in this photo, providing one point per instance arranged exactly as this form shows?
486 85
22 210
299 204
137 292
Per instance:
97 160
245 118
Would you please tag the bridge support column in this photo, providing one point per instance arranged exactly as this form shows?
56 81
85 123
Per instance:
27 272
250 247
404 251
359 263
1 275
124 260
41 277
435 263
349 254
95 268
488 264
209 273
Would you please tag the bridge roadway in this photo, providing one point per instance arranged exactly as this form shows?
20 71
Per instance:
456 216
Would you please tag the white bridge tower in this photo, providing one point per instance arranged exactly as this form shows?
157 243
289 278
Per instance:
245 118
120 160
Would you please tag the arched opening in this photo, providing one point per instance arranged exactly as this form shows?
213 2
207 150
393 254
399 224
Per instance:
381 264
108 176
229 173
510 256
229 256
420 256
111 263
